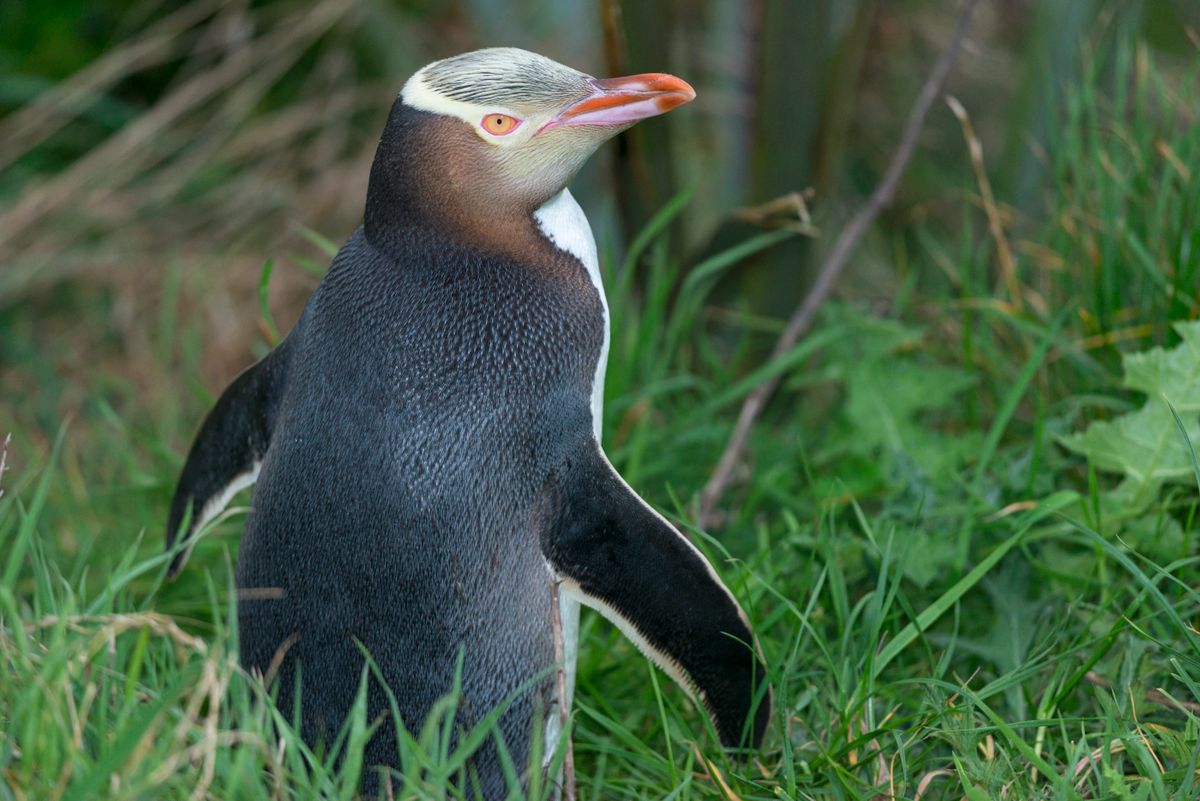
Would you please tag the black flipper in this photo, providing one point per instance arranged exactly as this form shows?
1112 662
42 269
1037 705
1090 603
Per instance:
227 452
625 560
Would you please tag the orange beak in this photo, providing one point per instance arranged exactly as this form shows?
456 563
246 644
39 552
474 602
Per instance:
621 101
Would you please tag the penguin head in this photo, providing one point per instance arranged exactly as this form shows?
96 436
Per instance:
504 127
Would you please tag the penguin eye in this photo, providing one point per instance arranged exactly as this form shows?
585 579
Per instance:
500 124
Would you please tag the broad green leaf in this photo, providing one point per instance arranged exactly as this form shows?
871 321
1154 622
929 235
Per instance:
885 401
892 396
1158 536
1147 445
892 393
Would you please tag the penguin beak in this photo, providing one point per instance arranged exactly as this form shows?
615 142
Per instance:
622 101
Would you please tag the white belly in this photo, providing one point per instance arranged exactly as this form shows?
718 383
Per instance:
564 223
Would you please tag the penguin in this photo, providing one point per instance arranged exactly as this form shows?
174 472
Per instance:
425 451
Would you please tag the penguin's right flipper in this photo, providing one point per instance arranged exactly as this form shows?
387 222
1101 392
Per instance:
228 451
620 557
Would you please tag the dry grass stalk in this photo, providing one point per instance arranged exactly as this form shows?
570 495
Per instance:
113 625
712 772
788 211
139 145
927 779
30 126
1008 263
569 788
129 204
1156 696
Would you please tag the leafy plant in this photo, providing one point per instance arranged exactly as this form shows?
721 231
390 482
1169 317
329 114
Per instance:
1147 446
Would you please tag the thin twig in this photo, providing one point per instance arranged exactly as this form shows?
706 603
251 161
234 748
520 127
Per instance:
4 460
831 270
569 790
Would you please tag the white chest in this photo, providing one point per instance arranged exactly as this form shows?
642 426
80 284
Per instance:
564 224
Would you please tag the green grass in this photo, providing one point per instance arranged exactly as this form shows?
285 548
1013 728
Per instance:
951 604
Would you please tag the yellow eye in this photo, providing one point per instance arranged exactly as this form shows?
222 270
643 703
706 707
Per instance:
500 124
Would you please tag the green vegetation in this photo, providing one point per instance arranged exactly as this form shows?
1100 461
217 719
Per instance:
967 537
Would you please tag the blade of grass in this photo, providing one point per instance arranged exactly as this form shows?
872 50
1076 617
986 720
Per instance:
264 305
323 243
935 610
1000 424
29 517
1141 578
1187 441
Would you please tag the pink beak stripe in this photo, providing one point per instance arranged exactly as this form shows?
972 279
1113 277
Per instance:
619 101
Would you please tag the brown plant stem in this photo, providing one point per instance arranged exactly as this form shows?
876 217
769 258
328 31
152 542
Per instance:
569 789
802 319
4 460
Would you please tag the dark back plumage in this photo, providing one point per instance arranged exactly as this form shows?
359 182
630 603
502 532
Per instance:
425 540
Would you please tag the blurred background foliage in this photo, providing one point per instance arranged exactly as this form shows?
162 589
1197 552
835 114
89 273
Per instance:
153 155
138 138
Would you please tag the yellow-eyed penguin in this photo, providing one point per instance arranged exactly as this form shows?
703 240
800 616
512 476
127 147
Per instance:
426 441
